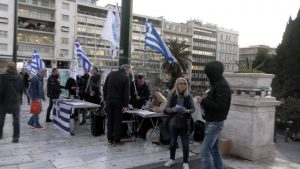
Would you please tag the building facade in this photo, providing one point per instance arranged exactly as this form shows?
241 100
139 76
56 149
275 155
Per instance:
227 49
52 26
6 25
251 52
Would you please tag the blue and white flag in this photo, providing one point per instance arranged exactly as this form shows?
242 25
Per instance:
61 115
74 66
29 69
37 63
154 41
111 30
85 62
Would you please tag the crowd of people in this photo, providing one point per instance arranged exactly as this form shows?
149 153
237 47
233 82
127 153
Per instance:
120 91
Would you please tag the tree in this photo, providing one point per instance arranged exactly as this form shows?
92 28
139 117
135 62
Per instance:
180 52
265 60
287 61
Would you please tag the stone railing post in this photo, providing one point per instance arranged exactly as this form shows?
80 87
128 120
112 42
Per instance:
250 122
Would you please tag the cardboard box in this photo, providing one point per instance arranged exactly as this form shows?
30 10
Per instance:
225 146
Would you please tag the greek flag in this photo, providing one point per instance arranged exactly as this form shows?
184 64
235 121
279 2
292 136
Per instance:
37 63
154 41
29 69
85 62
62 115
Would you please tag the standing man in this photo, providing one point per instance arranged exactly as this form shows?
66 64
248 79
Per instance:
216 106
53 91
26 81
116 96
93 86
11 88
139 92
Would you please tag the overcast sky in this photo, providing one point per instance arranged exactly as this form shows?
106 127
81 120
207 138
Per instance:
257 21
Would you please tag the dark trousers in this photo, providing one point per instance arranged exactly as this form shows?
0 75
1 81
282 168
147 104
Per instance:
26 92
16 124
183 133
49 109
114 113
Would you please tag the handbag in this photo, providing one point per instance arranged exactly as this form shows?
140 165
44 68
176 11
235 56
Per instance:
35 107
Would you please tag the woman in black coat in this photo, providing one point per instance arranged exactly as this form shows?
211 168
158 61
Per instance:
179 107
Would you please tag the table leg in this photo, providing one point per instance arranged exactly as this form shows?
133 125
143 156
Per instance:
72 123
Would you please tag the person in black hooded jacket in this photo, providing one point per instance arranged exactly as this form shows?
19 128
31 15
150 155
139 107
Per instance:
216 106
11 88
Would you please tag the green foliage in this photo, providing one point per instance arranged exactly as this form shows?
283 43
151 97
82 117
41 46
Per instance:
290 110
262 56
287 61
248 66
180 52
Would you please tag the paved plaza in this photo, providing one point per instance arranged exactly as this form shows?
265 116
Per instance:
51 149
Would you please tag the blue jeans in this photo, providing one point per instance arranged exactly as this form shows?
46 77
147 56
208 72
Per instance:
210 146
34 121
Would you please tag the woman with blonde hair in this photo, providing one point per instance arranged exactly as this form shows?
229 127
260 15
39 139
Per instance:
179 107
156 103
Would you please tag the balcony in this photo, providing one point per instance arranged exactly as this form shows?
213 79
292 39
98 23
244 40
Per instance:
35 26
36 14
38 3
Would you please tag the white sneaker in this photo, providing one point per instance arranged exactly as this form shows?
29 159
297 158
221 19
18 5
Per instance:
185 166
170 163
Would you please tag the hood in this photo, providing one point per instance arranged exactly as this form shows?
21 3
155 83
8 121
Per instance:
214 71
10 75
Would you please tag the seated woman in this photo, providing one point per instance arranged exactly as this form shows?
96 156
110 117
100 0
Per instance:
157 104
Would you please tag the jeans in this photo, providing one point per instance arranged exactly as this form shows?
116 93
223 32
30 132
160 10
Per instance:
114 113
34 121
174 132
210 146
16 124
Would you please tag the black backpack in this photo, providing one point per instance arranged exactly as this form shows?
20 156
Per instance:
199 128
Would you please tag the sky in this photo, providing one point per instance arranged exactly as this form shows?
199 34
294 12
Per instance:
258 22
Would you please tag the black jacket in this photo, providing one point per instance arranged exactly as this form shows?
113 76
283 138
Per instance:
143 92
11 88
217 103
25 79
116 88
53 87
71 82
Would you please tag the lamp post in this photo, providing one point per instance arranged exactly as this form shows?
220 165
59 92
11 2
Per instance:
125 40
15 49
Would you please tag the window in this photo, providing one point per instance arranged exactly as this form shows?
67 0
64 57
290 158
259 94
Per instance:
65 17
3 7
65 5
3 34
35 2
64 40
3 47
64 52
64 29
3 20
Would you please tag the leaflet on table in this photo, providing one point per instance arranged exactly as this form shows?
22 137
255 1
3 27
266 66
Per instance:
145 112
